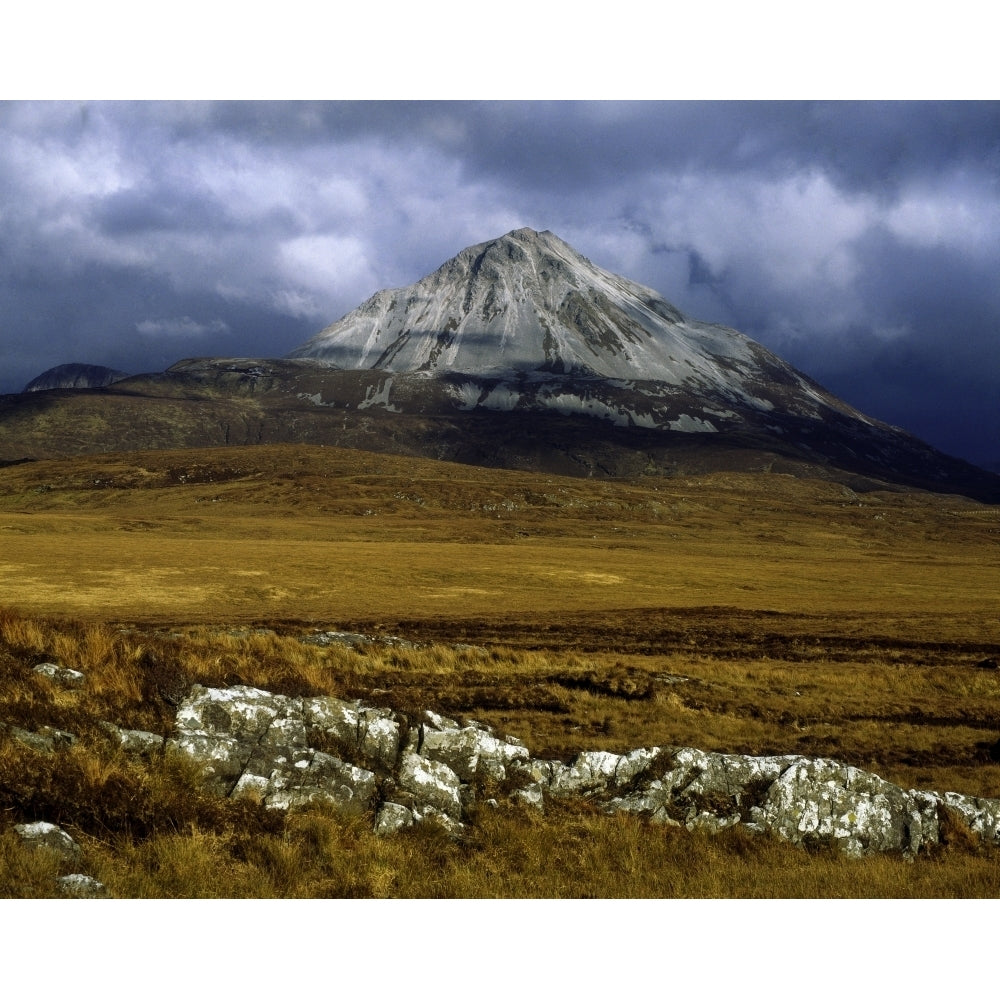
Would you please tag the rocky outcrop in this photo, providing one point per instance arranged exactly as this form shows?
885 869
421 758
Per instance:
45 739
48 837
250 742
360 760
63 676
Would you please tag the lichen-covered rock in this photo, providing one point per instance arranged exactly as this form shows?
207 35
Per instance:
392 818
221 759
49 837
65 676
249 742
45 740
432 783
824 801
471 752
373 734
982 815
696 789
79 886
240 713
532 795
595 771
441 722
287 777
135 741
537 771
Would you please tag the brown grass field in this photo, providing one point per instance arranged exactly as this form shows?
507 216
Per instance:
805 618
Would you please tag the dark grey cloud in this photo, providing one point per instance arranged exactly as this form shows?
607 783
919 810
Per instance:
859 240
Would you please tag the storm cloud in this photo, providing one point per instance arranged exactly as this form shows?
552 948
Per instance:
859 240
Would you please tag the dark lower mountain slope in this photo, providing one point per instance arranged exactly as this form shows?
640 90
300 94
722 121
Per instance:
239 402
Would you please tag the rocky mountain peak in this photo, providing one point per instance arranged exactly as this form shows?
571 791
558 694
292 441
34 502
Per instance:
527 306
524 302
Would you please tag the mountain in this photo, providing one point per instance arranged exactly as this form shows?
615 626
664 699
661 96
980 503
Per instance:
526 322
516 353
75 376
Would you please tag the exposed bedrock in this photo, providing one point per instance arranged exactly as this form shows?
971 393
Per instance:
404 771
361 760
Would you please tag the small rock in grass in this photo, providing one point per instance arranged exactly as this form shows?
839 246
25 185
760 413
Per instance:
65 676
48 836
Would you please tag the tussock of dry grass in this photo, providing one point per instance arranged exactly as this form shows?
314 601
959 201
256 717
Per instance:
569 853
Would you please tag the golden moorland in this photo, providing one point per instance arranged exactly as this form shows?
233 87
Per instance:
806 618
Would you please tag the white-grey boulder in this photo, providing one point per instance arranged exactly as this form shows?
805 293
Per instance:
471 752
295 776
824 801
49 837
373 735
64 676
46 740
78 886
392 817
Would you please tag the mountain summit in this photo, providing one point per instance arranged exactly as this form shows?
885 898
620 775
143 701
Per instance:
526 301
526 322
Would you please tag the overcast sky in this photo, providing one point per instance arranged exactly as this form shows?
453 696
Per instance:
860 241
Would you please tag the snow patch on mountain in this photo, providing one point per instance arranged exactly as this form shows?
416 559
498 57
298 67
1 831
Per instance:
572 404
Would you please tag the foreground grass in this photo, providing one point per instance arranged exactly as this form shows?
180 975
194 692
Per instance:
743 614
569 853
147 831
509 854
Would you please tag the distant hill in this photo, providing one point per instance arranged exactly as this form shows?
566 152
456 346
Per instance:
75 376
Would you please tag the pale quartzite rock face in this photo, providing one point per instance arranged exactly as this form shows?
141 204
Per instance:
824 801
286 777
249 742
81 887
392 818
432 783
982 815
371 734
471 752
702 790
136 741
